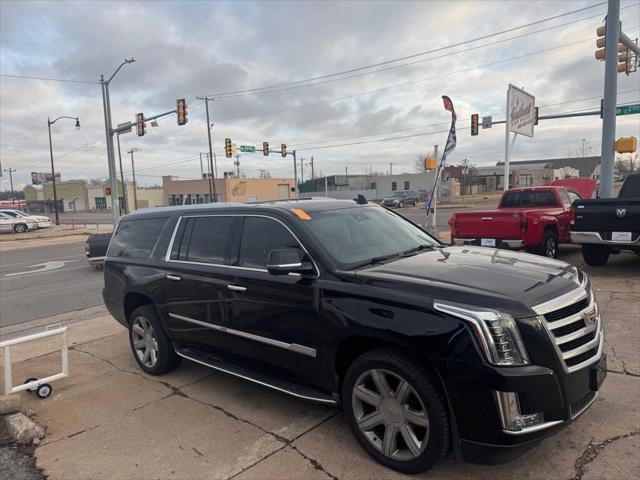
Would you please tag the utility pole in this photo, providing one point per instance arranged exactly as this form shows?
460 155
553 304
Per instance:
237 164
610 94
201 169
434 199
346 172
391 169
13 193
313 176
124 185
133 173
295 172
302 170
212 179
53 172
106 103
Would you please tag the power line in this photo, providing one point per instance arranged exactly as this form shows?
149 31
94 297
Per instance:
50 79
407 57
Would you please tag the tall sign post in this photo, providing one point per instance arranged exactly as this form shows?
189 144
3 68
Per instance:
520 119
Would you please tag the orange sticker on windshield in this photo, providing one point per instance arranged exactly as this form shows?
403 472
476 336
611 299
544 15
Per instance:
301 214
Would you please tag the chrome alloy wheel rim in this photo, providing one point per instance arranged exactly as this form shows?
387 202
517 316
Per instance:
390 414
145 343
551 248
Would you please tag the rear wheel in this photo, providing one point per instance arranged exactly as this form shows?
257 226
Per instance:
549 245
595 255
395 411
20 227
150 345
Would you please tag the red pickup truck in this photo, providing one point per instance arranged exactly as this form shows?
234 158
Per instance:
535 219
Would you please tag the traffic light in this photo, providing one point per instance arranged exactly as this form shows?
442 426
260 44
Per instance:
474 124
265 149
429 162
624 59
227 148
626 144
141 128
535 115
283 150
600 41
181 111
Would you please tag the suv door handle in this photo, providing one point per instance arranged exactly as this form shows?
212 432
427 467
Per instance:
237 288
173 277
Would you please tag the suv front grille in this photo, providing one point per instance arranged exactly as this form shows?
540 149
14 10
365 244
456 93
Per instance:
576 332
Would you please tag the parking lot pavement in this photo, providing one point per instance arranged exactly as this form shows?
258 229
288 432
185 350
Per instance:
110 420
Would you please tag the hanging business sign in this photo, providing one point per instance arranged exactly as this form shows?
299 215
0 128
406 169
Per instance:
520 111
38 178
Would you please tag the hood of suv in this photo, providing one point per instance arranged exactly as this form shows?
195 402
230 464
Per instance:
484 276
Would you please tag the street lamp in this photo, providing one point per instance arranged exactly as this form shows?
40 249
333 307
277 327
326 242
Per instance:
53 172
106 103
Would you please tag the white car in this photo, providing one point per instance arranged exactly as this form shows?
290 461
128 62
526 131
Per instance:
41 220
10 224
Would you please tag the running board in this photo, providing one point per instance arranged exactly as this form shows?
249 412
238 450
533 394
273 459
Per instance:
247 373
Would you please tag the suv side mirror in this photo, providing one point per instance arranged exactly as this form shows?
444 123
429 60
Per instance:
287 260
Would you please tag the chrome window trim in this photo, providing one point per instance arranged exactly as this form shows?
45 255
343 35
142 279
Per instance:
168 258
251 379
292 347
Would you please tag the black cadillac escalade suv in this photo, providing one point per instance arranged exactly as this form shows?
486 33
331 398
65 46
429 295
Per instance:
426 347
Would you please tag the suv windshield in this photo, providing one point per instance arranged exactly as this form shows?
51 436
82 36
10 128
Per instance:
362 235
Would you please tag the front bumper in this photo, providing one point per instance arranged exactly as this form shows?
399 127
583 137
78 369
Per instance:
596 237
509 244
44 224
480 436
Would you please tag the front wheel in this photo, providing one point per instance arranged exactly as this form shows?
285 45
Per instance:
595 255
150 345
395 411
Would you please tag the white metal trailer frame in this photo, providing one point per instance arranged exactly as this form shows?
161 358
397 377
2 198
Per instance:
6 349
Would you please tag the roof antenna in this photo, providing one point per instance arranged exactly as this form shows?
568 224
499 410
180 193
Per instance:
360 200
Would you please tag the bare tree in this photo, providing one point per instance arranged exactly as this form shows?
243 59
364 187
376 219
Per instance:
419 163
627 163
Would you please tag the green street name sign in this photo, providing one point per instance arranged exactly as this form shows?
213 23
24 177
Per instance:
247 149
628 109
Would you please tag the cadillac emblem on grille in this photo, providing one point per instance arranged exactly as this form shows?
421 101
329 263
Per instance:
590 317
621 212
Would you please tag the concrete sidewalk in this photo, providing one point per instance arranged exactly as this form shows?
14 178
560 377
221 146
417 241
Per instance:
109 420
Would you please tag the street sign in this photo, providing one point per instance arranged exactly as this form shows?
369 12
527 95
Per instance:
628 109
520 111
124 128
247 149
486 122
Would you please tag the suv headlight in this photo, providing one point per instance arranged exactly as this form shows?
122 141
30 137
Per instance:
496 332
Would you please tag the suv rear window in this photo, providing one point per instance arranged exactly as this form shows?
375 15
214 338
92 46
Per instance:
136 238
206 239
528 199
630 187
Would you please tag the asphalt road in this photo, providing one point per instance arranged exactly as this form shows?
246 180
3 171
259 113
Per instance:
46 280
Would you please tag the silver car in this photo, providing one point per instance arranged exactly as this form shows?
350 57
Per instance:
41 220
10 224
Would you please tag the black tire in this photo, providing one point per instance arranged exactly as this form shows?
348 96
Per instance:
20 228
401 204
424 389
166 357
595 255
549 246
44 390
29 380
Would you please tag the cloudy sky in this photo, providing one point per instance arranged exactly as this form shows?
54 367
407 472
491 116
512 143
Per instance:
191 49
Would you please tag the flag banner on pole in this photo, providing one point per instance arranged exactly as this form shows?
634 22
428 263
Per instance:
449 147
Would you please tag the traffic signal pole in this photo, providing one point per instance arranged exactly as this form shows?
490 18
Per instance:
610 95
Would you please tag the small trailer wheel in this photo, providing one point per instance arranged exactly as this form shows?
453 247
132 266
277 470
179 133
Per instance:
29 380
44 390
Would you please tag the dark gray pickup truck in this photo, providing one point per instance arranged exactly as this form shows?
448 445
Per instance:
608 225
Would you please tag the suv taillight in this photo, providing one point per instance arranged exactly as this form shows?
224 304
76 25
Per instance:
572 216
